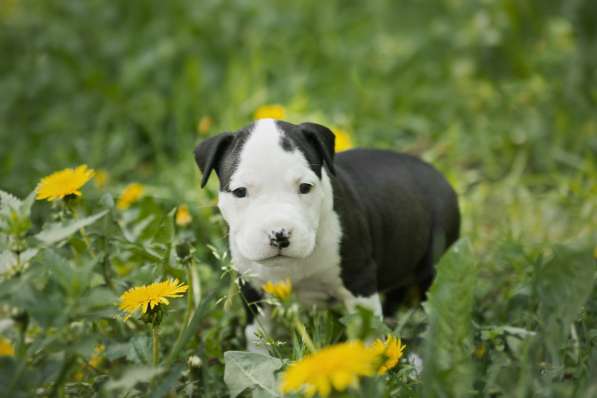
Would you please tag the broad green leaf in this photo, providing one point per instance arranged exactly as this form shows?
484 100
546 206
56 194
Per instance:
7 261
139 350
57 233
447 364
8 200
73 278
563 285
133 376
168 384
26 204
248 370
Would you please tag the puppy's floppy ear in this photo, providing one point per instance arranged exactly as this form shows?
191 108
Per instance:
323 140
208 154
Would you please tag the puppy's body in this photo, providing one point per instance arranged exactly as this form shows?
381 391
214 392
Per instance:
398 215
368 222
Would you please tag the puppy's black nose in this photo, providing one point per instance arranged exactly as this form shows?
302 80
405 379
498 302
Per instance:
279 238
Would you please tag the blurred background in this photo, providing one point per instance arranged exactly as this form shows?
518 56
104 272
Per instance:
124 86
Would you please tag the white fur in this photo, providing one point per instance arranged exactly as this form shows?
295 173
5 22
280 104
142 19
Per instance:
272 177
260 327
372 302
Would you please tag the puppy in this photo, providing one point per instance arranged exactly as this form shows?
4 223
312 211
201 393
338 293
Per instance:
343 227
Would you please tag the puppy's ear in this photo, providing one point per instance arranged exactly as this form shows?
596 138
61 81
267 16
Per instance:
208 154
323 140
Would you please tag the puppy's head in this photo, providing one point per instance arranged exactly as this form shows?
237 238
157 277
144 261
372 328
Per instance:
272 186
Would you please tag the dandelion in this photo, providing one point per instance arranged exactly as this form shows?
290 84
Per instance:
130 195
183 216
97 357
480 351
281 290
204 124
101 178
336 367
64 183
389 351
6 348
273 111
147 297
343 140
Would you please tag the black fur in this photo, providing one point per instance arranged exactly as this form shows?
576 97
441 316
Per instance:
286 144
221 153
398 214
315 141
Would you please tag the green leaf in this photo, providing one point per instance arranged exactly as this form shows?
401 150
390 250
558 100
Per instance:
363 324
168 384
448 368
60 232
26 204
8 200
200 312
563 284
133 376
8 260
251 370
139 350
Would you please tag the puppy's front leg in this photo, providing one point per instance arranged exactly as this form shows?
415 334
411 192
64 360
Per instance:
260 326
372 302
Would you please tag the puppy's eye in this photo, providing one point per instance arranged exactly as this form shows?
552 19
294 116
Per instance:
305 188
240 192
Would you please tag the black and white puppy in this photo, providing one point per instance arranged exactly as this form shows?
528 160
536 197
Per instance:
369 222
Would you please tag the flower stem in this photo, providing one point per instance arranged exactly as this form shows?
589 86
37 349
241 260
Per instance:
302 331
84 235
155 340
190 297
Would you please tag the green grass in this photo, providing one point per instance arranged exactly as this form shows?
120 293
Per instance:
500 95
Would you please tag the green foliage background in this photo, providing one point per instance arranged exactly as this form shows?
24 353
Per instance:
500 95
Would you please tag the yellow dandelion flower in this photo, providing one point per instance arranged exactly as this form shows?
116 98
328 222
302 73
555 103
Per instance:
63 183
480 351
101 178
183 216
335 367
273 111
343 140
97 357
147 297
6 348
130 194
281 290
204 124
78 375
389 351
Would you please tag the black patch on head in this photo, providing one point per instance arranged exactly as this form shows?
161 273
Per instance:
286 144
232 158
315 142
222 154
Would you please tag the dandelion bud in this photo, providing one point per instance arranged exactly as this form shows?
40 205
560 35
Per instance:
194 361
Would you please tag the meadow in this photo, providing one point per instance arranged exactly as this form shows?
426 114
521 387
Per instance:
499 95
